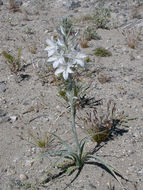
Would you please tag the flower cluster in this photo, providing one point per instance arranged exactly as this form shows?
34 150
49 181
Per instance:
64 54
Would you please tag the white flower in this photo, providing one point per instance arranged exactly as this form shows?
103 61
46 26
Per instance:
56 60
79 59
52 47
60 43
65 69
64 54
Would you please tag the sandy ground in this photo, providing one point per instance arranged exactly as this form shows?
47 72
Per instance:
26 103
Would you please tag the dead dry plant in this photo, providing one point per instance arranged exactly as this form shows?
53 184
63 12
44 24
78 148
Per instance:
101 124
15 7
38 138
132 36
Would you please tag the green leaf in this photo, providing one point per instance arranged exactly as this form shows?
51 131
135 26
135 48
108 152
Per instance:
82 148
19 53
69 148
54 153
74 156
71 169
61 157
9 57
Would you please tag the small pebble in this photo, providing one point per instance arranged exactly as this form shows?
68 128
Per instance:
23 177
138 57
4 120
28 163
2 113
3 87
13 118
1 2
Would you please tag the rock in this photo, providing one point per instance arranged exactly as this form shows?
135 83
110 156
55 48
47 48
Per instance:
16 159
28 163
132 58
26 102
10 171
125 50
1 2
137 12
3 86
138 57
121 19
23 177
18 3
13 118
22 77
2 113
74 5
4 119
131 96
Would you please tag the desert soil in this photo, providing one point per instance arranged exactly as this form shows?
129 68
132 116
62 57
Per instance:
27 103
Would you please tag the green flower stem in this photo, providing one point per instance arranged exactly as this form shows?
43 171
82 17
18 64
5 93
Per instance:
73 114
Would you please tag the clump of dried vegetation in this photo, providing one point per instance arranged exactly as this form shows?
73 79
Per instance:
132 36
102 124
38 138
102 78
14 6
90 33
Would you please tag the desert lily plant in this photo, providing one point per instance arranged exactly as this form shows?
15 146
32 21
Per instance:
65 56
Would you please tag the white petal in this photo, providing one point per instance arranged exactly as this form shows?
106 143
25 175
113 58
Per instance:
50 42
81 56
65 75
50 48
51 59
47 48
69 70
66 72
60 43
81 63
62 31
59 70
62 60
56 64
51 52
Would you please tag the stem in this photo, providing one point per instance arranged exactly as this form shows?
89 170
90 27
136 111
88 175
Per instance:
73 114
